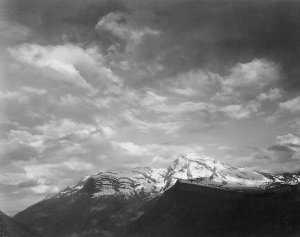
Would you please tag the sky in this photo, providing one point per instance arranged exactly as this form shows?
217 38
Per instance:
90 85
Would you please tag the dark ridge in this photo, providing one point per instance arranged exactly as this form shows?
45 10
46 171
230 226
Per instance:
81 215
9 227
191 210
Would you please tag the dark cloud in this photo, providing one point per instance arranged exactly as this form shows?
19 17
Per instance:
207 34
216 34
54 20
19 152
280 148
293 145
27 184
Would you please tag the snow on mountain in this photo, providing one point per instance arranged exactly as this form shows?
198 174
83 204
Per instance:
139 181
205 171
190 168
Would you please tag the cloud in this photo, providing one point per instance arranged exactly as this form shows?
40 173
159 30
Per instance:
195 83
78 165
200 39
287 112
247 90
108 131
21 96
246 81
118 24
236 111
42 189
48 175
65 127
153 99
165 125
156 154
24 137
20 146
12 178
57 59
225 148
292 105
56 20
75 64
283 156
130 148
290 140
281 148
272 94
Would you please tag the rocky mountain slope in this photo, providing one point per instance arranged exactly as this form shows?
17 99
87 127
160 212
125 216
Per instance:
106 203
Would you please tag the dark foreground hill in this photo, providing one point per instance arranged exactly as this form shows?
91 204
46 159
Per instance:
12 228
82 215
191 210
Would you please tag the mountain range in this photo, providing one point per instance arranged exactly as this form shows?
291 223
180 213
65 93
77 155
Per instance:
141 202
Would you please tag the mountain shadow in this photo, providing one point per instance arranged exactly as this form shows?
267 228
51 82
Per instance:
193 210
12 228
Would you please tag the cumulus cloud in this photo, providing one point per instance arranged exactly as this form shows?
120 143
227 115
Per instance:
246 81
272 94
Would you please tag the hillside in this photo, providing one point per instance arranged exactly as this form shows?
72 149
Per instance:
193 210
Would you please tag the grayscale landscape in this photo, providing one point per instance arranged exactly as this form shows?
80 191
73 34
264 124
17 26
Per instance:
149 118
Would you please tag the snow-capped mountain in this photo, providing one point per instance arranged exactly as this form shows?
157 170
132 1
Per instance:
105 204
189 168
136 182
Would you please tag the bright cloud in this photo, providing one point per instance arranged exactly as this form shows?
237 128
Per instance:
246 81
292 105
82 67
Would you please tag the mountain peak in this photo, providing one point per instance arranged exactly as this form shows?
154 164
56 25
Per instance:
189 168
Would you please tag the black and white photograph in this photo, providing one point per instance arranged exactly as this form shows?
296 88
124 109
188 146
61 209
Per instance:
149 118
